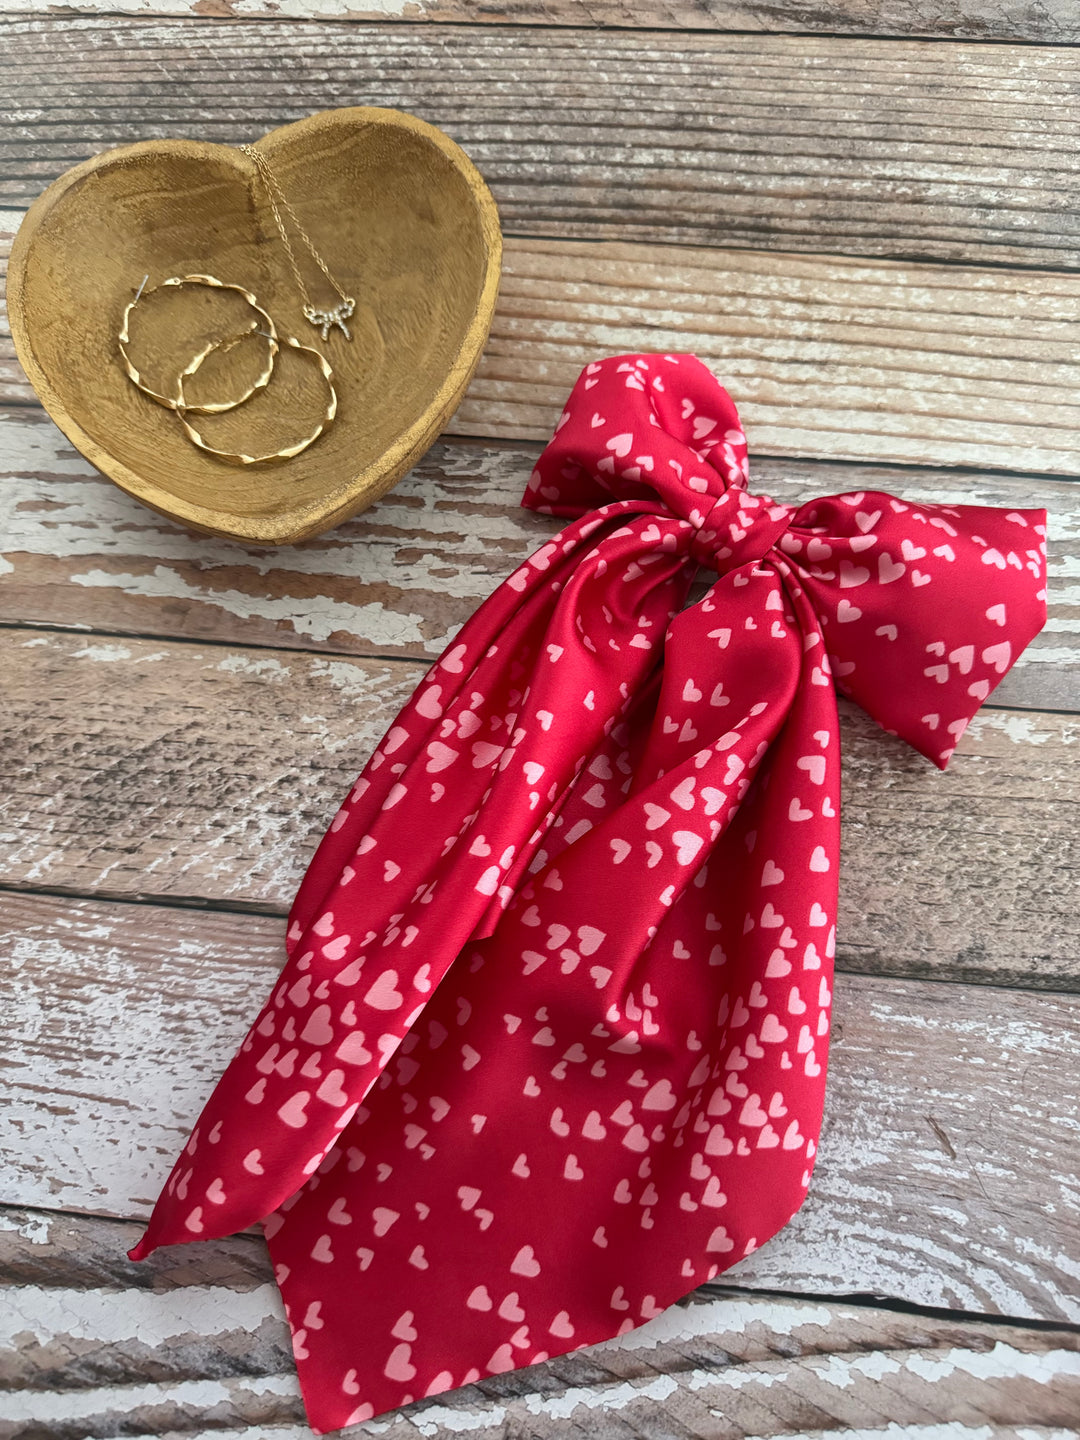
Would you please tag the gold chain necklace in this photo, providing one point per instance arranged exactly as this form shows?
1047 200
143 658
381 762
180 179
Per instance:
323 320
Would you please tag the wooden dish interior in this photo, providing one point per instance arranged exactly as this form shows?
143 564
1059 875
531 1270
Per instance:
396 222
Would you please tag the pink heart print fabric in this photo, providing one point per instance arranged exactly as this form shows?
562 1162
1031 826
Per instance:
549 1049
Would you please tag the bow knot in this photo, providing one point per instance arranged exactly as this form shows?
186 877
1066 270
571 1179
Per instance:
739 528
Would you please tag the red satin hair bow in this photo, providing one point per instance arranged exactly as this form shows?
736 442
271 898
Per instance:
549 1049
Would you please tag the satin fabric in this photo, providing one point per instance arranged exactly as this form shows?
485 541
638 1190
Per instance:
550 1046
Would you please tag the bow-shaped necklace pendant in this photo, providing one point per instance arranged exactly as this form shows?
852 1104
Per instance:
323 320
326 319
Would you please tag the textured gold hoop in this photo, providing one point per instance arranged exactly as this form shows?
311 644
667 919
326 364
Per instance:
263 325
239 457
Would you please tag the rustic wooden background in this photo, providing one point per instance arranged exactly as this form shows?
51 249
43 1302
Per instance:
865 217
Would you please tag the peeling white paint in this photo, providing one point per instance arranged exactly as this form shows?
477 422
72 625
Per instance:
358 681
1065 1264
1037 654
951 1430
731 1316
293 1432
242 9
317 616
110 1147
613 1397
159 1032
1021 727
152 1319
265 666
1002 1362
41 1406
104 653
863 1250
1043 1367
417 541
44 1315
54 504
34 1229
842 1372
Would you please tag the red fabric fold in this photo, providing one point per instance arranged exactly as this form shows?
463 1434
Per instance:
550 1046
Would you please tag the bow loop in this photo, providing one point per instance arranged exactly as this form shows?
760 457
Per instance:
643 427
923 608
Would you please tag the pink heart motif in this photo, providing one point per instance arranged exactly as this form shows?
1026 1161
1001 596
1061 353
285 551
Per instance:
557 997
294 1111
384 994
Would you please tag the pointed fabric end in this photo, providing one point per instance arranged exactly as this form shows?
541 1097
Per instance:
142 1250
1019 605
925 609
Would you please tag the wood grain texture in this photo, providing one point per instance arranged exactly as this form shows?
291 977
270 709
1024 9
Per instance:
169 771
98 1346
873 147
831 358
948 1160
400 579
1052 22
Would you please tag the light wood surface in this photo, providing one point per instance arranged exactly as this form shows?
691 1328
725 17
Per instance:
1050 21
723 1362
872 238
402 577
98 1334
963 153
179 772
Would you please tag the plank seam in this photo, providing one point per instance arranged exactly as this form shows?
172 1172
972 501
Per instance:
35 627
187 903
61 15
710 1290
869 1298
18 407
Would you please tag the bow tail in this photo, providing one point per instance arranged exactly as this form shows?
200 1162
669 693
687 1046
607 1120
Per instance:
774 918
431 839
512 619
560 1097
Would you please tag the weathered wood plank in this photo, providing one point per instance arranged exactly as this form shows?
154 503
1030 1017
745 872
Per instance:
168 771
1051 22
401 578
949 1158
831 358
837 359
96 1346
883 147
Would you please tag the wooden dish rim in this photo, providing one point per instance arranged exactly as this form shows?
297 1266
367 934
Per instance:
316 515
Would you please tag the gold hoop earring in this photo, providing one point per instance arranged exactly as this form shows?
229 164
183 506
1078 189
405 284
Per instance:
240 457
263 326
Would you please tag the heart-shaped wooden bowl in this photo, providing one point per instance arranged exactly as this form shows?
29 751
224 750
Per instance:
404 222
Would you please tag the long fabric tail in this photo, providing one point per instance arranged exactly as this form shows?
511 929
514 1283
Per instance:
379 916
